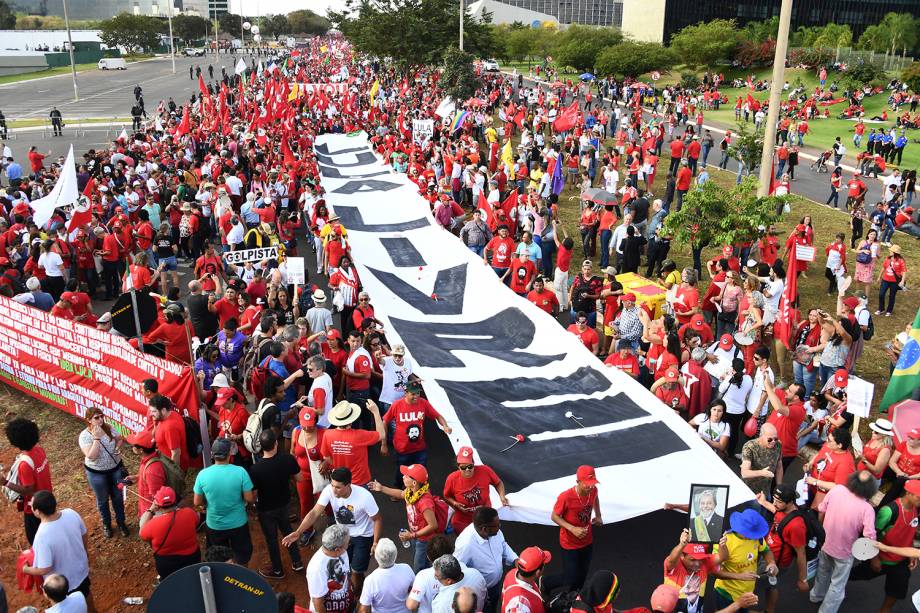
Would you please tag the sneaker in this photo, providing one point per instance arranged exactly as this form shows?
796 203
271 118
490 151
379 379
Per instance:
304 539
268 573
123 528
887 314
107 531
878 312
297 567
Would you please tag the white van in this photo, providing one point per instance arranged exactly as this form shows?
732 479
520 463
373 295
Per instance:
112 63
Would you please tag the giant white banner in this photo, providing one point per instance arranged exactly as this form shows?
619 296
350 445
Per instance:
496 366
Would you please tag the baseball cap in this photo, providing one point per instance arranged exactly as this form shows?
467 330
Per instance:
586 475
223 395
465 455
697 551
630 297
851 302
727 250
307 417
415 471
784 492
399 350
67 296
144 438
841 377
697 322
533 558
664 598
220 448
912 486
334 334
726 341
165 496
671 375
915 433
801 228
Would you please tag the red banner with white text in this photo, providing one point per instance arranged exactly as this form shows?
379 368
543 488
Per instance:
74 367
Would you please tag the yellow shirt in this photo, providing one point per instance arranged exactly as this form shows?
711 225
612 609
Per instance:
535 177
491 135
673 277
326 232
742 558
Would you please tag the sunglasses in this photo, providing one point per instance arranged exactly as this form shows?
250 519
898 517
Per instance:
465 467
771 439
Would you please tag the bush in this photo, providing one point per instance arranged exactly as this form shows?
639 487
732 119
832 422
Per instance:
631 59
751 53
911 76
689 80
811 57
863 72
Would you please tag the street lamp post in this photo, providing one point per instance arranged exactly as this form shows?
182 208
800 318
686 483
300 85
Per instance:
462 11
172 44
776 88
73 65
246 26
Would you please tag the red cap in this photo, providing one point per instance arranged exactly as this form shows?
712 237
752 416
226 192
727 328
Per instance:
851 302
68 296
586 475
841 377
801 228
415 471
630 297
698 322
144 438
912 486
726 341
915 433
307 418
334 334
465 455
664 599
337 228
727 251
533 558
697 551
223 395
671 375
165 496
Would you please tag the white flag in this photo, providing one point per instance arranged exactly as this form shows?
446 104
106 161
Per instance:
260 67
446 108
240 67
158 126
124 135
65 193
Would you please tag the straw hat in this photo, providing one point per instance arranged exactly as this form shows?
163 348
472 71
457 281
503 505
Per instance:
344 413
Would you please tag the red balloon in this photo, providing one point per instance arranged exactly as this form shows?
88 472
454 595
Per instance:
750 427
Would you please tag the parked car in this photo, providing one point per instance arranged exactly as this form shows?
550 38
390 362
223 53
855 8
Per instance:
490 65
112 63
193 52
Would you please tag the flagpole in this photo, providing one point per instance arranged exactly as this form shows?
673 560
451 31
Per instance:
776 88
73 66
172 44
462 11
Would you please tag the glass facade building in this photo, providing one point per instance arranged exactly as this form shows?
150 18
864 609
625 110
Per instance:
583 12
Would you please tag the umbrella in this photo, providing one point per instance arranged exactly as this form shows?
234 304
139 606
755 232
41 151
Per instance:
587 76
558 84
905 416
599 196
123 313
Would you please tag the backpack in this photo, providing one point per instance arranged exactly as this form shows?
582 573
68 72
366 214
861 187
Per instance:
814 537
254 427
249 364
175 478
13 476
258 377
869 332
563 602
193 443
440 513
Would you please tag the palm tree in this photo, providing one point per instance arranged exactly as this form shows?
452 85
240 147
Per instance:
836 36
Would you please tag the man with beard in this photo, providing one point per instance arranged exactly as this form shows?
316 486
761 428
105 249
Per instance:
687 568
328 573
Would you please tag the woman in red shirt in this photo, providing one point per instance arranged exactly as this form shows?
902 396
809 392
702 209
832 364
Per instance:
669 390
830 466
587 225
905 463
891 278
306 439
877 451
686 301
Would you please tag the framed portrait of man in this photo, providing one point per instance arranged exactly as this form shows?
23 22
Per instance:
708 504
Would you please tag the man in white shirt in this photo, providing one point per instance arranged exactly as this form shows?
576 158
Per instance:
386 588
426 587
55 589
452 577
611 178
482 546
320 393
328 573
757 404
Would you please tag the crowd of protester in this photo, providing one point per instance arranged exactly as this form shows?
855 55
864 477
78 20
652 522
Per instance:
300 381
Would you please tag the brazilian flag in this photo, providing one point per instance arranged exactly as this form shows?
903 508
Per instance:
906 376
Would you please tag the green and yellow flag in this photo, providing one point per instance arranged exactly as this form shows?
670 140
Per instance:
906 376
374 89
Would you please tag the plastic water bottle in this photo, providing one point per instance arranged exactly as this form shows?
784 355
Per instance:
406 544
771 580
133 600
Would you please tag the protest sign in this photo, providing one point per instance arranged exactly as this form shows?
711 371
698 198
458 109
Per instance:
251 255
296 273
422 130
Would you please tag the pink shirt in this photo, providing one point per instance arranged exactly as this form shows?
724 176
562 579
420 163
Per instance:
846 518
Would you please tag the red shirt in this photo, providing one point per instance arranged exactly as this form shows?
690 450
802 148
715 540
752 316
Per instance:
210 265
151 476
409 436
907 462
893 269
675 398
691 300
545 300
518 595
684 176
225 310
629 364
233 421
348 448
576 510
37 476
110 244
831 466
170 434
521 274
677 148
788 427
502 251
685 582
144 236
588 337
140 276
794 535
563 259
470 492
362 365
416 515
175 337
855 187
172 534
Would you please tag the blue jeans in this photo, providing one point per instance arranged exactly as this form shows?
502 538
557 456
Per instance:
606 235
827 372
407 459
477 249
420 558
888 232
891 288
804 377
105 488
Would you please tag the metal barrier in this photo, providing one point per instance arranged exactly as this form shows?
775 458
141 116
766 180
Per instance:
80 126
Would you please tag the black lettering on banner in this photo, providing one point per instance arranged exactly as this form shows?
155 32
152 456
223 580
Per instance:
364 157
352 219
497 336
490 424
449 289
334 173
323 149
365 186
402 252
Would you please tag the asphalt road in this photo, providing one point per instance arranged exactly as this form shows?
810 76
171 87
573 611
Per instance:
634 549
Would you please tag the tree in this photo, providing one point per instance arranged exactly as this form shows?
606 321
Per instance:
759 32
275 25
706 43
834 35
231 24
579 46
307 22
911 76
459 78
804 36
716 215
874 38
189 27
902 32
631 59
7 17
863 72
517 43
747 146
412 32
133 32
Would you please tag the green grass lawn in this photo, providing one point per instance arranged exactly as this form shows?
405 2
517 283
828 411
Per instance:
28 76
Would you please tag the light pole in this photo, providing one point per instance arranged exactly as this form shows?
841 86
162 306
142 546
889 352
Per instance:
246 25
776 88
73 66
172 44
462 11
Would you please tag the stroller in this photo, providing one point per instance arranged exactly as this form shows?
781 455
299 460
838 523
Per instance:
820 164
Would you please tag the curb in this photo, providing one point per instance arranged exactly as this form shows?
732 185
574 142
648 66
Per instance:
99 124
66 74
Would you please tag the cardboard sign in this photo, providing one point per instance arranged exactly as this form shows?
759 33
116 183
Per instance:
251 255
296 273
805 253
859 396
422 130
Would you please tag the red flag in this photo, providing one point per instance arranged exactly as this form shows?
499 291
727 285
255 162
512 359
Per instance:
82 214
519 119
508 205
787 316
90 187
567 118
286 151
185 126
483 204
202 87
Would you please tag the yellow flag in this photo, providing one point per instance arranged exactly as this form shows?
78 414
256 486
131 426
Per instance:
508 159
323 49
374 89
295 93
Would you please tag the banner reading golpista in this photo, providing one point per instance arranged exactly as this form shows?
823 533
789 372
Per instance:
499 368
74 367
